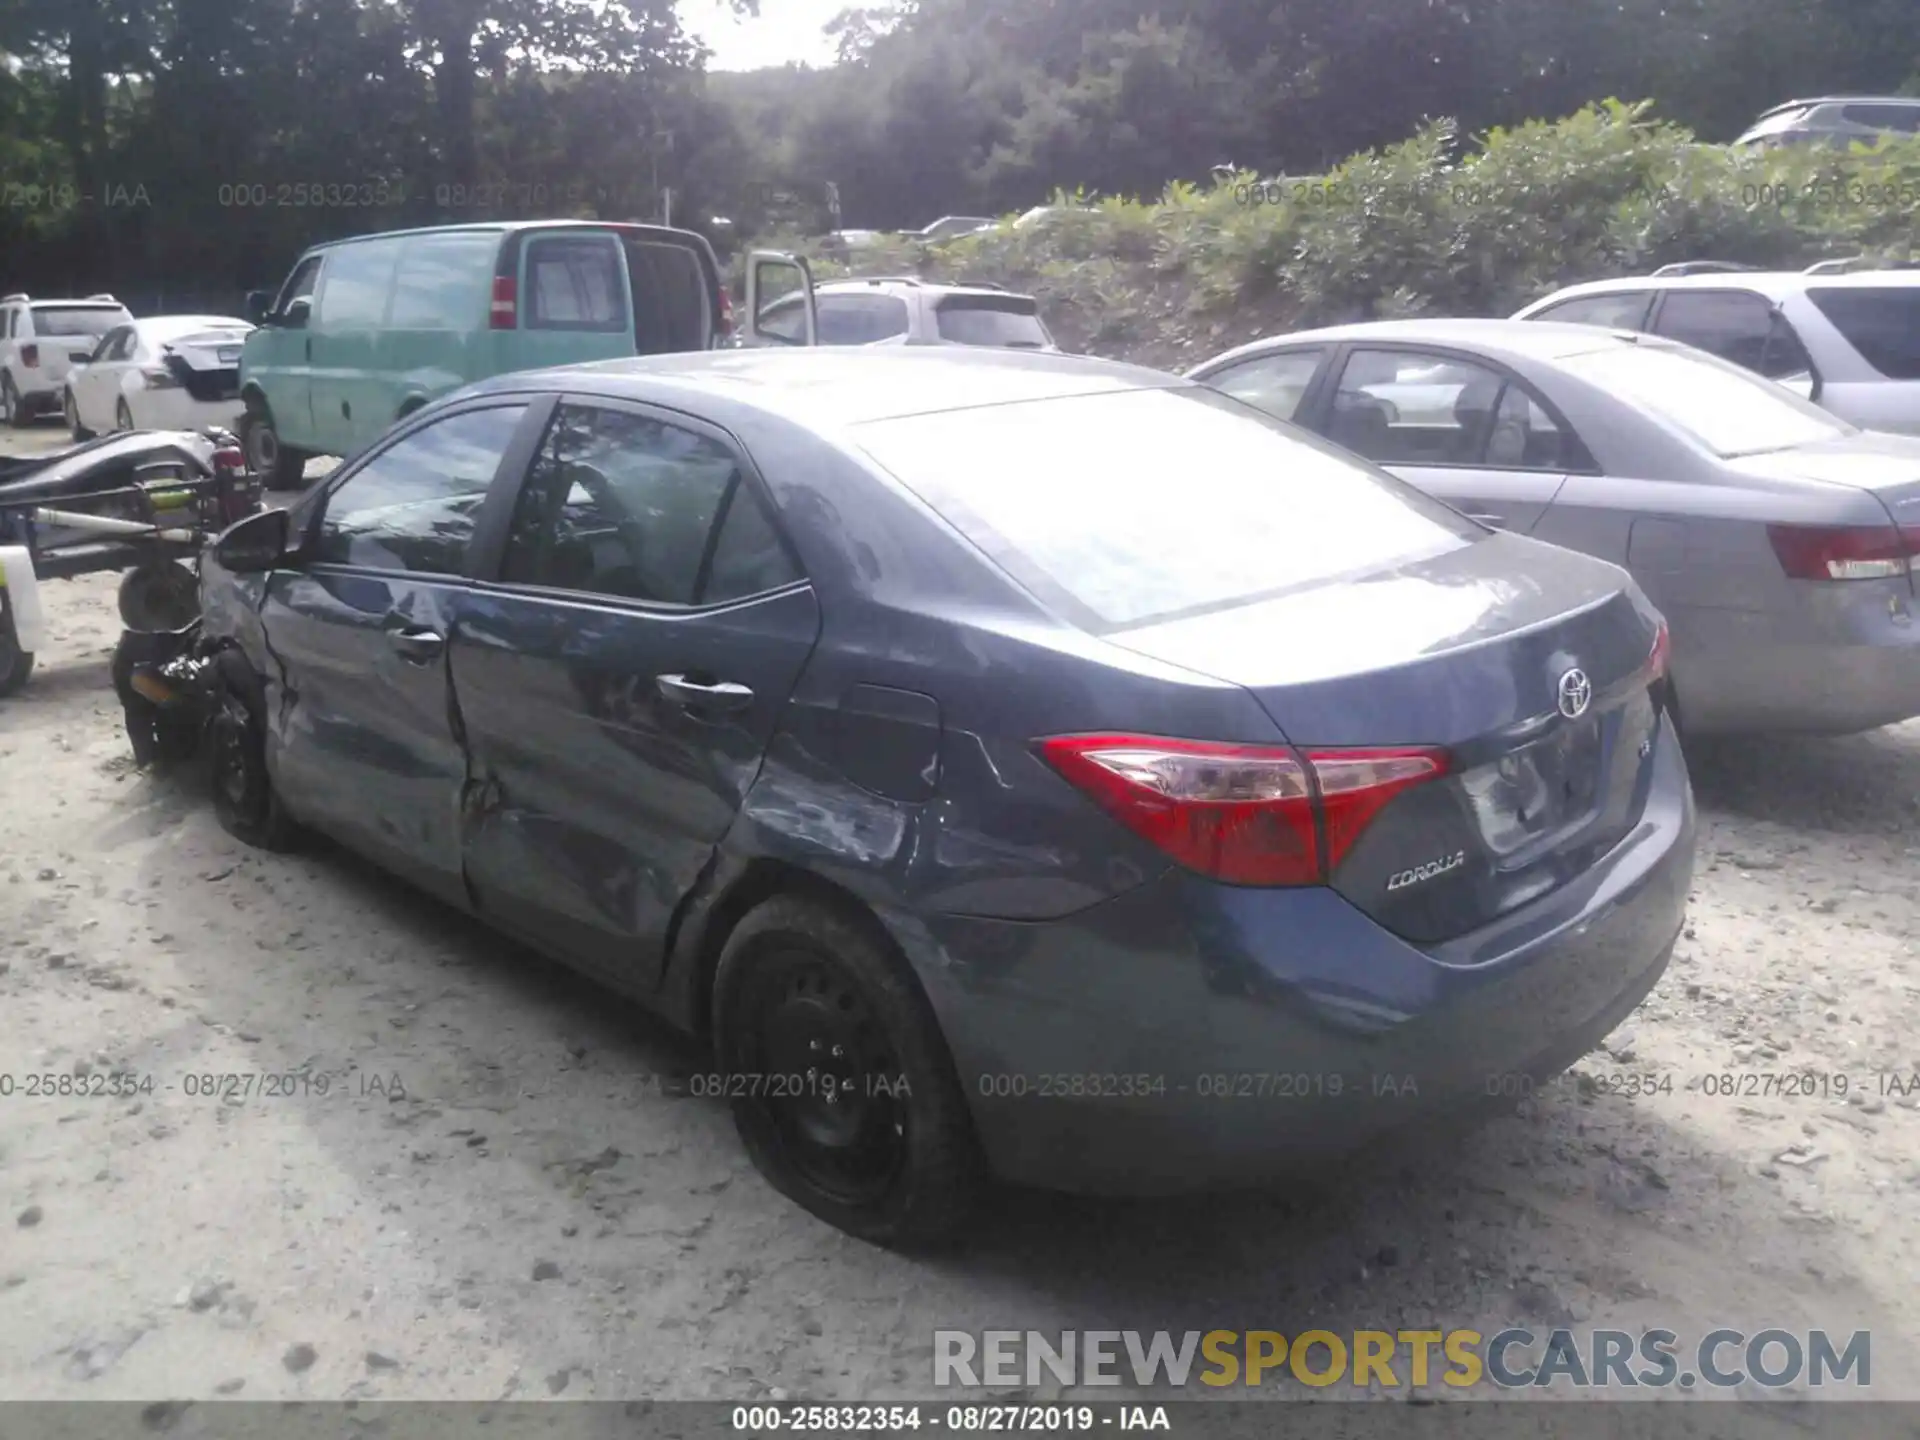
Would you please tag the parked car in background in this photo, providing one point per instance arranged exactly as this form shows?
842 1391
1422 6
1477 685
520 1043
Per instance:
171 372
1835 120
1848 342
886 717
39 341
952 227
1778 540
905 310
367 330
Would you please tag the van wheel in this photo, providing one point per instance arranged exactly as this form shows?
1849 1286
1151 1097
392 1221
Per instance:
280 468
854 1112
12 413
15 664
244 800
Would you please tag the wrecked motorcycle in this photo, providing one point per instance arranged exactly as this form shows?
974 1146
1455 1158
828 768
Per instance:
142 502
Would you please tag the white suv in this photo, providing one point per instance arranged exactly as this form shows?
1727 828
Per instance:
1850 343
40 340
906 310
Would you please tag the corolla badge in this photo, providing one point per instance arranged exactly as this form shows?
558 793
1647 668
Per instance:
1427 871
1575 694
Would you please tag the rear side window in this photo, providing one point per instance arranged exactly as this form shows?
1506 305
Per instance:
990 320
1885 117
623 505
1626 310
74 320
413 506
859 319
443 282
574 284
1882 324
1142 505
1736 325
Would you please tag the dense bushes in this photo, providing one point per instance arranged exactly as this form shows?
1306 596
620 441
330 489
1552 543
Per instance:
1423 228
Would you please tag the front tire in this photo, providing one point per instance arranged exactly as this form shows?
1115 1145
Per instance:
74 427
279 467
244 799
842 1087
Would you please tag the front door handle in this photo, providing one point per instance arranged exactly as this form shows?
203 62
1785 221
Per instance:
416 644
722 695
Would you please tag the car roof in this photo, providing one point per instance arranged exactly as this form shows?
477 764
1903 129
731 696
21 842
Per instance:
1772 283
502 227
1786 105
815 386
1497 339
853 283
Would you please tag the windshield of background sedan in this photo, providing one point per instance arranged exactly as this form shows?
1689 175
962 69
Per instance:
1730 411
1141 505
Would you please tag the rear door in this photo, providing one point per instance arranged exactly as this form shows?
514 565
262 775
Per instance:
575 303
362 737
621 678
1460 429
96 385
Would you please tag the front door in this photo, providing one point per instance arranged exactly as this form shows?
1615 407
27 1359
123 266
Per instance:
619 684
362 736
1462 431
278 356
96 385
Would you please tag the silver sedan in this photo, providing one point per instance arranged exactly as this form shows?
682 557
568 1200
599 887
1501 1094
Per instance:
1779 540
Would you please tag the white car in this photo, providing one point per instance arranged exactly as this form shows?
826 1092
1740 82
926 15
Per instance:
1849 343
40 340
171 372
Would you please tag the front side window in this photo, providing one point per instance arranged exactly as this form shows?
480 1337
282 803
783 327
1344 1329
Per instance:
1139 505
1624 310
574 284
299 285
413 506
1729 412
1273 383
622 505
1402 407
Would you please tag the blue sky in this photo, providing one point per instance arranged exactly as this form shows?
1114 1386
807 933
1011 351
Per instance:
785 30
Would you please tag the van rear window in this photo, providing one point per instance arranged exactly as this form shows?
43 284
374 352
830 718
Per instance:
574 284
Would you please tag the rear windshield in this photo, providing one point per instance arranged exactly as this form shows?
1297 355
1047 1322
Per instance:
94 320
1730 411
1883 324
989 320
1128 508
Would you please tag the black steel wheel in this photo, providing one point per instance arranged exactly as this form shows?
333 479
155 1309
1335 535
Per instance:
160 595
243 796
278 467
841 1085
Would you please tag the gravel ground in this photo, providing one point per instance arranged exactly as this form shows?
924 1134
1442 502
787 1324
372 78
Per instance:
502 1195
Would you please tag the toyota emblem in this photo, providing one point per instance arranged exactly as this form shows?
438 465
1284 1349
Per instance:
1576 693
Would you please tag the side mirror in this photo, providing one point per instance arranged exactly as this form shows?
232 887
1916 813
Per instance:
294 317
257 303
253 545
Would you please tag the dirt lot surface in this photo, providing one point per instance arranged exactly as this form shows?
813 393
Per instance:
501 1194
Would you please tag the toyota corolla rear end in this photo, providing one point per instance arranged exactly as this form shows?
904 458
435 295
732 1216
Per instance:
1387 810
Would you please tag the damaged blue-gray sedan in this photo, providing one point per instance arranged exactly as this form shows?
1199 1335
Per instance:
1017 766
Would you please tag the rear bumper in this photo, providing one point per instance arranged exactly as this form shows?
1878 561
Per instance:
1191 1036
1854 665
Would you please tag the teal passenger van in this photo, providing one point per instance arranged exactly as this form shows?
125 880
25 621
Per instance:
368 329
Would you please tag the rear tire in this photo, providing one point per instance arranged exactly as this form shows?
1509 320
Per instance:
243 795
74 427
278 467
842 1086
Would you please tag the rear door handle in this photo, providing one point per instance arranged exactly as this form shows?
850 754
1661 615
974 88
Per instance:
722 695
416 644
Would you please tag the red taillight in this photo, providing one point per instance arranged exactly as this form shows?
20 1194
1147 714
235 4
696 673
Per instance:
1851 552
1243 814
229 457
30 356
505 313
726 312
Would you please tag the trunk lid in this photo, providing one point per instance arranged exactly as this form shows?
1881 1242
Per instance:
1473 651
206 364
